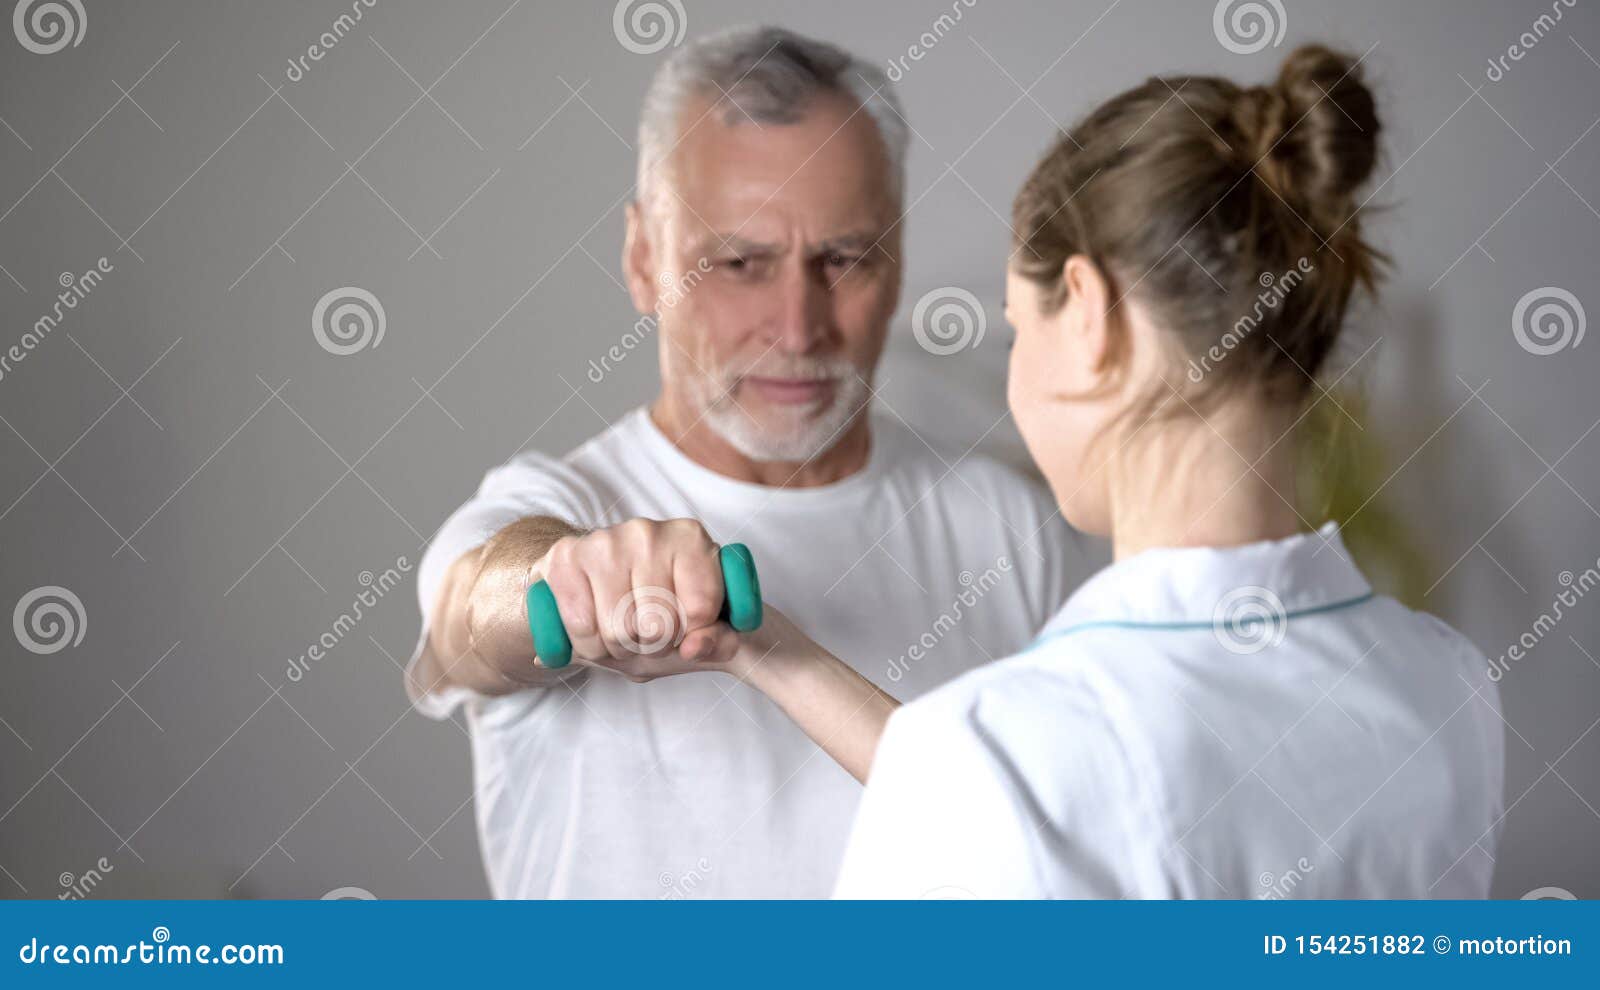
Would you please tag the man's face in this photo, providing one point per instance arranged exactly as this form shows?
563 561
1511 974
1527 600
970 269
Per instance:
772 255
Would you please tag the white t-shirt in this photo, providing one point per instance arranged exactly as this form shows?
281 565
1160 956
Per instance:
1342 746
918 567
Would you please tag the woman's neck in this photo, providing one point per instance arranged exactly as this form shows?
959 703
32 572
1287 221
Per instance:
1224 480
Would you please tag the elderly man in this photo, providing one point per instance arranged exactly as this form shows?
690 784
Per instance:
765 239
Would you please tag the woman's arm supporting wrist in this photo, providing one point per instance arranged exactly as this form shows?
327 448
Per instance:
841 711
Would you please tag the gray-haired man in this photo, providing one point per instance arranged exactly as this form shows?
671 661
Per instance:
765 240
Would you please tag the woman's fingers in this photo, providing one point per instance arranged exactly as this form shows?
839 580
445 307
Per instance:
715 644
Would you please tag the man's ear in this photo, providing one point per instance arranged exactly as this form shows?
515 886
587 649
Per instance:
1089 320
639 266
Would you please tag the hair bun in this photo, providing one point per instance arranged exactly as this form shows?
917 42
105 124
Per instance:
1327 137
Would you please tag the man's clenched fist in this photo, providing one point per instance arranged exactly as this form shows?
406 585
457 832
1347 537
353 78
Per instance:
630 594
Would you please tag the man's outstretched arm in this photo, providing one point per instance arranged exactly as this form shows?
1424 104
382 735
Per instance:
478 634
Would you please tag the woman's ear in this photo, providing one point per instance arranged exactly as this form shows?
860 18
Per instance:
639 265
1088 316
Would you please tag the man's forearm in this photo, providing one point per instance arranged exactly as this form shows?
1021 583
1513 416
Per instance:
478 637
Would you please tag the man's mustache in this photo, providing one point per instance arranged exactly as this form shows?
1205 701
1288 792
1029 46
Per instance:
811 369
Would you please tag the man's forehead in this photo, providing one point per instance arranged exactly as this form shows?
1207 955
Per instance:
828 171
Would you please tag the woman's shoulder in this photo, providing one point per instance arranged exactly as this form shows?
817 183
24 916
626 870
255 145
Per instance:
1030 700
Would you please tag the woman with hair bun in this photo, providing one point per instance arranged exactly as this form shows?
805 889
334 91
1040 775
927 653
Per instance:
1227 709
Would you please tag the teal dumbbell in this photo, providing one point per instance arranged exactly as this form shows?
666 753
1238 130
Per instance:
741 606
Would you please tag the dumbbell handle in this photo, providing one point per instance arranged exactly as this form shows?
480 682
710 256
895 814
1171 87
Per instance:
741 606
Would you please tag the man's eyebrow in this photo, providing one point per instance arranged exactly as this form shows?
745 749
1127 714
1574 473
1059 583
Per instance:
715 243
855 243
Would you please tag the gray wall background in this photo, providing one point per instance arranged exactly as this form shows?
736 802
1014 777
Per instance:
210 483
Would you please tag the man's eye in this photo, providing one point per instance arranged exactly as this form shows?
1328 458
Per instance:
843 260
733 264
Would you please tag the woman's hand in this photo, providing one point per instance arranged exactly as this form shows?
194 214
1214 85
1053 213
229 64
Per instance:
779 643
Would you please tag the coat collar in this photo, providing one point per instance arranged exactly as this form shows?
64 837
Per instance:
1182 586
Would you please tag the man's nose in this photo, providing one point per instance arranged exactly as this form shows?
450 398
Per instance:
804 318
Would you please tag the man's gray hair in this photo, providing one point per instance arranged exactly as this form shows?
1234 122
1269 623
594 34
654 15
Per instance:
768 75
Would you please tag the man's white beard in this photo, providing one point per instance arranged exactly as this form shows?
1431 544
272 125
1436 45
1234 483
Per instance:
791 434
